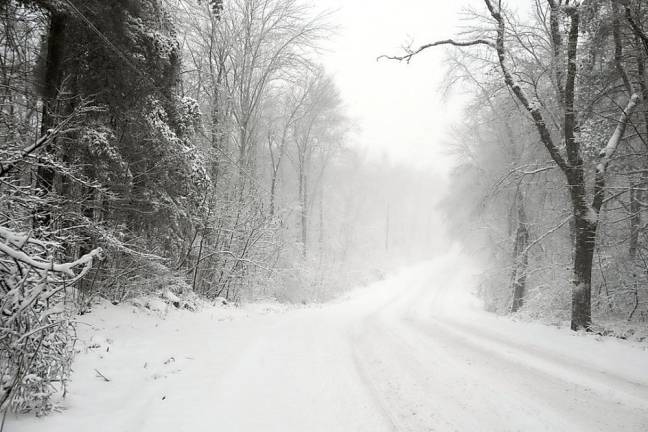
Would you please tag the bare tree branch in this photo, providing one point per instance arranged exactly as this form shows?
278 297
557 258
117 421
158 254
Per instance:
408 57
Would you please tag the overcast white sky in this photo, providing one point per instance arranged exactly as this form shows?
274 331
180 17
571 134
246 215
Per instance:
398 107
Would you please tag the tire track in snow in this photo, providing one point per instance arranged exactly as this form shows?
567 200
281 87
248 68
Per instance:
552 396
379 399
400 345
420 392
554 364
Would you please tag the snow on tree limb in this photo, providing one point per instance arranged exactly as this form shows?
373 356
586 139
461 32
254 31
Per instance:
33 309
608 151
65 268
20 239
411 53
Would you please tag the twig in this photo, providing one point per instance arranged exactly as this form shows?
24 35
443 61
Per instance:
102 375
542 237
4 417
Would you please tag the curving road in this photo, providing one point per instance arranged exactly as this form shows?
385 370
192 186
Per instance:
411 353
414 353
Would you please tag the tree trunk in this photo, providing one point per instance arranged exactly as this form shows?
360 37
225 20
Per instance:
53 66
635 221
198 259
321 223
276 166
582 273
520 256
50 87
638 194
303 195
273 192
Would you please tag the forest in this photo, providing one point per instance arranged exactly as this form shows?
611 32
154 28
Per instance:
200 152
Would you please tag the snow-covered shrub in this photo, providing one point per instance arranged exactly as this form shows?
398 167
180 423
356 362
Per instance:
147 283
36 330
299 280
548 303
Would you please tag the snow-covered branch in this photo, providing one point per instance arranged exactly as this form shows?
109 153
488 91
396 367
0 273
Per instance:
411 53
608 151
66 268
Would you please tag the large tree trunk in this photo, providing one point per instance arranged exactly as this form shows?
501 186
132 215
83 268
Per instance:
53 66
585 241
49 88
50 85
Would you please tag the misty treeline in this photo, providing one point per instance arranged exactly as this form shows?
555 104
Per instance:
178 149
552 179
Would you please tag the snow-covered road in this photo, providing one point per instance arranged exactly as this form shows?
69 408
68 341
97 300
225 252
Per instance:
411 353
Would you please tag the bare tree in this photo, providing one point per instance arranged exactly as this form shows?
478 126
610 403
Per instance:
311 134
585 206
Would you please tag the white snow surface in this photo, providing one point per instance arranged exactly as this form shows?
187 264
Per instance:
414 352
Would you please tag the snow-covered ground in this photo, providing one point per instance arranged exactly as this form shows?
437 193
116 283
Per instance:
411 353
